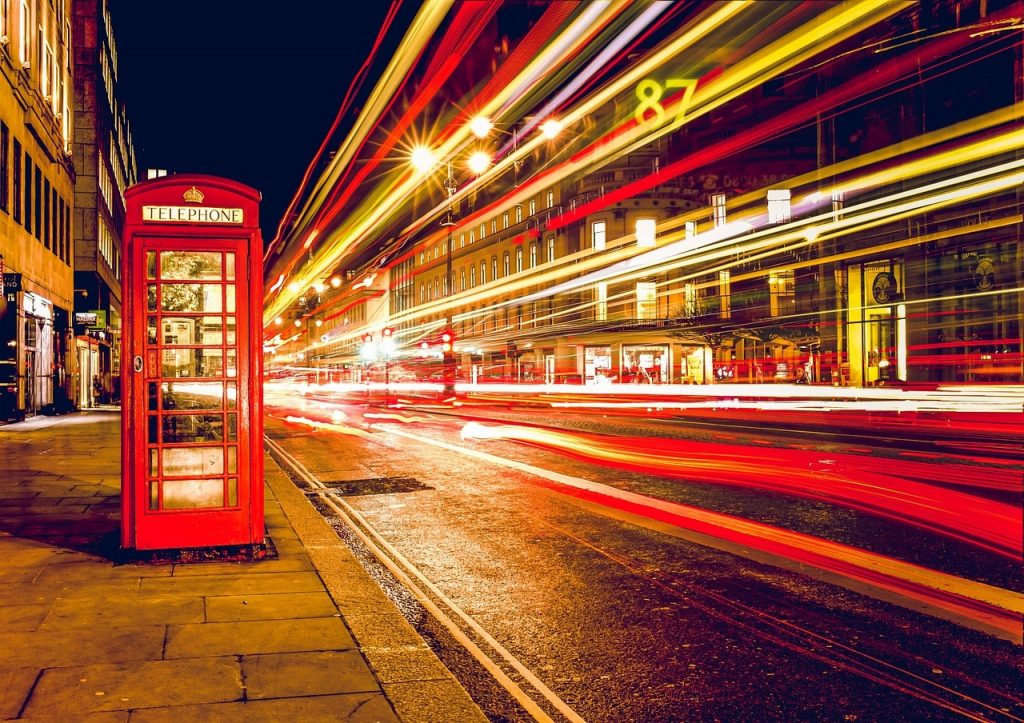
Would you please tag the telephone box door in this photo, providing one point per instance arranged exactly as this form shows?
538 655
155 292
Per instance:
192 427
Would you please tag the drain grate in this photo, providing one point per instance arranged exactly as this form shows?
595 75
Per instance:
376 486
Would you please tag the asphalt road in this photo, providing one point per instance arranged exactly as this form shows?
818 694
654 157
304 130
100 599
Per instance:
620 616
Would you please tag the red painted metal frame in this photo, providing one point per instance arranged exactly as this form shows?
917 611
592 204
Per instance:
141 528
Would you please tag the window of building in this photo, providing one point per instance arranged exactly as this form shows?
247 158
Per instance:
504 217
472 276
483 230
597 235
5 159
778 206
472 237
462 240
483 272
25 36
519 213
837 205
724 295
494 226
519 259
505 264
782 292
690 229
551 249
28 193
718 209
646 232
421 258
16 180
551 199
494 268
462 280
533 206
44 219
37 208
437 288
5 14
601 301
533 255
646 300
690 299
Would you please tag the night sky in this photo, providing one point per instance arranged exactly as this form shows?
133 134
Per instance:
242 89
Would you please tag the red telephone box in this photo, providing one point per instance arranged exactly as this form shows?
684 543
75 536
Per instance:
192 396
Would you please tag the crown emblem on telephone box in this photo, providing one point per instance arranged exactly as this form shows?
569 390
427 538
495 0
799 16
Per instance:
193 195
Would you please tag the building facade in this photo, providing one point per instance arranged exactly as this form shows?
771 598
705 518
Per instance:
36 201
106 165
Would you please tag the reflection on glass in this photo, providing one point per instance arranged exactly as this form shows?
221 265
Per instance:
229 272
193 395
197 461
151 330
154 495
229 289
150 264
151 297
203 265
154 462
232 492
232 395
232 427
190 297
184 428
232 460
151 395
232 367
194 330
189 494
154 430
230 330
178 363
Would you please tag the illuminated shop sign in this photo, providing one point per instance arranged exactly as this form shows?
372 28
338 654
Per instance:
192 214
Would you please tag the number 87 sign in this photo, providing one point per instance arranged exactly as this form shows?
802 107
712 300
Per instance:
649 92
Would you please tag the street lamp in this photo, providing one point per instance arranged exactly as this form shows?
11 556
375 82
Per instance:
387 347
448 359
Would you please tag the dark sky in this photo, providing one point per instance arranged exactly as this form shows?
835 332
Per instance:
241 88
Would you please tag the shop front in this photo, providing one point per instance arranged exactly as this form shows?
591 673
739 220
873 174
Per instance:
597 365
645 363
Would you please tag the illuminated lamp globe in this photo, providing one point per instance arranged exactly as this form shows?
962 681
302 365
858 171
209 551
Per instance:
298 323
319 322
423 159
335 281
551 128
480 126
479 162
293 287
318 287
279 321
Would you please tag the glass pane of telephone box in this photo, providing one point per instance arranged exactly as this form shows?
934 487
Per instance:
186 428
192 395
196 330
178 363
187 494
151 336
229 290
151 264
191 297
200 265
229 266
151 297
195 461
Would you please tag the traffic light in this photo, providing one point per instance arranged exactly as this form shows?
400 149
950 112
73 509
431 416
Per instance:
387 332
367 338
447 341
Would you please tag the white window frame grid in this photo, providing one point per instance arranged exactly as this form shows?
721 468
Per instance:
551 249
646 230
598 235
601 301
646 300
779 209
719 216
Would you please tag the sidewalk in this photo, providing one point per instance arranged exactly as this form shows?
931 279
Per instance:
308 636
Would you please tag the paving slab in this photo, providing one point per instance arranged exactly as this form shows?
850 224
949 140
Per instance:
258 636
288 675
236 583
431 701
148 684
351 708
89 612
15 686
234 608
52 648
